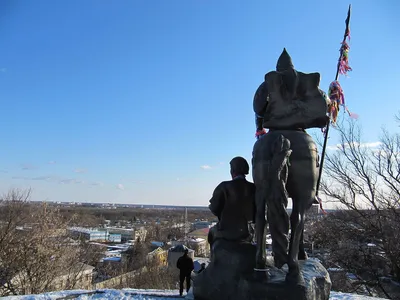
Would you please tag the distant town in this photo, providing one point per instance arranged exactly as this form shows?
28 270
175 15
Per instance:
119 205
107 245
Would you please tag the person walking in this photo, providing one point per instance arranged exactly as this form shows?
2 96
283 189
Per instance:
186 266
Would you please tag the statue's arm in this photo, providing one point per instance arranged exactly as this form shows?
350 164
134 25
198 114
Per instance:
217 201
260 103
259 122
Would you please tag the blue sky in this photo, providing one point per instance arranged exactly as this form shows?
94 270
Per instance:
147 101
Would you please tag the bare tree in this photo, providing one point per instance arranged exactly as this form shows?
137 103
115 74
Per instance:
364 180
154 276
137 255
35 249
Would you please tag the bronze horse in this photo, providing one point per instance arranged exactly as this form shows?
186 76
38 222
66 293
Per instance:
285 160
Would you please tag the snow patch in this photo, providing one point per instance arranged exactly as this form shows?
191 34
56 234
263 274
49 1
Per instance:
143 295
344 296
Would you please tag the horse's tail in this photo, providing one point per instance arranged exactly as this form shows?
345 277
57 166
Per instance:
279 169
277 198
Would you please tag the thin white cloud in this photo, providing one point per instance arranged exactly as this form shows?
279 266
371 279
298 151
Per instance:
336 147
66 181
355 144
52 162
80 170
120 186
20 177
3 70
42 178
138 181
385 153
28 167
206 167
71 181
51 178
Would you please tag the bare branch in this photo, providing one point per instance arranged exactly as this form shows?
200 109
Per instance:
364 239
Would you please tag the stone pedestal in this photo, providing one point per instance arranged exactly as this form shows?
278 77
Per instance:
230 263
230 275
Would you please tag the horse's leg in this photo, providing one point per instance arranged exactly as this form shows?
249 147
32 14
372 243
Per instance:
278 221
261 229
302 253
297 225
303 193
301 186
260 162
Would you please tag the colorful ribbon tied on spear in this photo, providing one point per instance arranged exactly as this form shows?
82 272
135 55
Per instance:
335 93
344 66
336 96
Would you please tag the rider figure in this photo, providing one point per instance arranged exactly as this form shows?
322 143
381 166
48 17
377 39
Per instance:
275 97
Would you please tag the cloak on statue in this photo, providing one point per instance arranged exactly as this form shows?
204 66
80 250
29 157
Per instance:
288 99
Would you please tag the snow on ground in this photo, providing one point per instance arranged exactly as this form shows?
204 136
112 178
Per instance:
343 296
142 295
103 294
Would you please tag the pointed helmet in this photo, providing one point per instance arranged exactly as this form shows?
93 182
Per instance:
284 62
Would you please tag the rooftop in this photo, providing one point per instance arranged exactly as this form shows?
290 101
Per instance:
203 232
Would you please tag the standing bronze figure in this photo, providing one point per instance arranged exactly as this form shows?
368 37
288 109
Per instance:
285 160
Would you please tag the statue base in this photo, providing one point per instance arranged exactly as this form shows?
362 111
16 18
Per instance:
231 275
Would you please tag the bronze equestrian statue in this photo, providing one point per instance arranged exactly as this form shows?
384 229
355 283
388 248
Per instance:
285 160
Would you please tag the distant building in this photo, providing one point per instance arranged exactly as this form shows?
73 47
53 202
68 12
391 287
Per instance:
140 232
200 233
200 246
114 238
94 235
201 224
89 234
111 259
158 256
154 245
178 225
126 233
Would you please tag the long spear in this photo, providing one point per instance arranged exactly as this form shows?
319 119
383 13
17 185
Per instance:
336 95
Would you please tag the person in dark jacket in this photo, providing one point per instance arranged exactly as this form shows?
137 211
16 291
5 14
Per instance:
233 202
186 266
202 268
